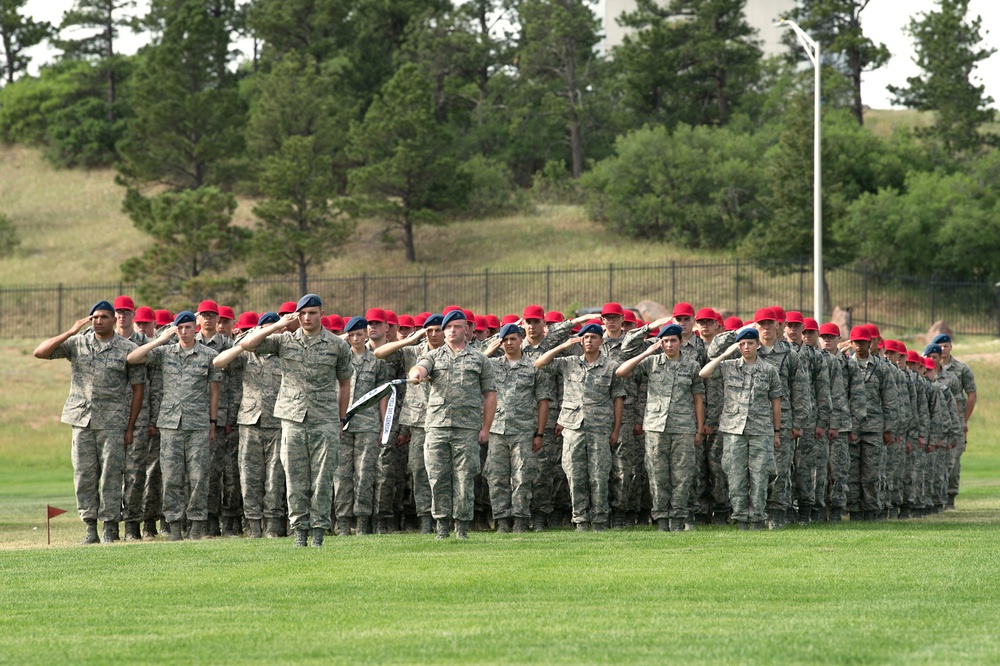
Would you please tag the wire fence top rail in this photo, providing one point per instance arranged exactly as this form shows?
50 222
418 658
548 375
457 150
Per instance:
904 304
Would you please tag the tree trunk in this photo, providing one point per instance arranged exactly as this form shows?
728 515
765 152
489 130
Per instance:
411 252
303 275
575 133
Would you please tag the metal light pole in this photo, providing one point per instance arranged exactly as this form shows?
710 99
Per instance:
812 51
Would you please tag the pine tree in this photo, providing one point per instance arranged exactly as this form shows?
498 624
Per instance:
18 33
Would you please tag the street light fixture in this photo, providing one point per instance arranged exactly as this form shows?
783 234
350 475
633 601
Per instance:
812 51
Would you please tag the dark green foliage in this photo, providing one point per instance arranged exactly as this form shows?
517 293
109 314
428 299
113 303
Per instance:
18 33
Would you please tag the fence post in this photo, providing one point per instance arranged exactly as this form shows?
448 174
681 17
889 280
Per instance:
364 292
933 318
486 288
673 283
425 291
865 280
59 309
736 280
611 283
802 286
548 288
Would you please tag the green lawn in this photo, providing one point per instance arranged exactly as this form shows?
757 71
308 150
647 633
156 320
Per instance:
924 591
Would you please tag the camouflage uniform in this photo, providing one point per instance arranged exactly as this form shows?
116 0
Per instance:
868 451
891 496
411 422
98 409
669 427
262 477
458 382
183 421
812 454
959 378
220 450
307 405
137 454
152 501
391 465
943 416
795 410
747 426
916 459
713 444
587 418
354 480
511 464
846 399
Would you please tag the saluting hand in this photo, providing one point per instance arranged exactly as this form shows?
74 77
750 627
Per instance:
80 325
287 319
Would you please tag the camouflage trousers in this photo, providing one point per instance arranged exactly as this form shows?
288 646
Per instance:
940 467
750 466
671 467
779 493
418 471
184 463
821 476
98 466
863 479
718 485
135 474
510 471
232 494
955 467
624 491
913 471
354 480
838 471
451 456
481 492
586 459
390 477
309 453
152 507
810 461
549 477
262 478
895 466
701 483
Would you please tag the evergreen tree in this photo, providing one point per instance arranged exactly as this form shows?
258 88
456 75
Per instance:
948 49
18 33
407 175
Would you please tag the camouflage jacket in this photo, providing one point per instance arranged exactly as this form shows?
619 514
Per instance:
186 376
520 387
671 387
747 394
261 383
458 381
796 401
880 398
589 392
369 373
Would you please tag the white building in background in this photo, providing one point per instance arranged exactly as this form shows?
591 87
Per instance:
761 14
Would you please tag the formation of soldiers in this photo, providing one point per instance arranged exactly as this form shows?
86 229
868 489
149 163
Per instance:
203 424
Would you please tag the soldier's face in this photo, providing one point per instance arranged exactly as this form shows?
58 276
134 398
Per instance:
481 334
592 342
627 325
811 337
768 329
686 324
226 327
829 342
470 330
793 330
708 328
535 328
945 348
124 318
377 330
435 336
916 367
185 333
209 322
148 328
454 333
392 331
311 320
405 332
512 345
103 322
671 345
357 338
613 324
748 349
861 347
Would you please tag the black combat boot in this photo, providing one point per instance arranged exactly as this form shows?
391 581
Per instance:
91 536
426 525
301 538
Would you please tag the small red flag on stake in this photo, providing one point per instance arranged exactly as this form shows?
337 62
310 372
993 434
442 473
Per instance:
52 512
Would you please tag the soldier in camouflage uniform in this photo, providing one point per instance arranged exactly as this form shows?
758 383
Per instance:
672 426
262 477
518 430
703 499
916 453
947 428
104 402
751 425
811 454
907 421
461 405
354 480
962 383
187 421
137 453
795 411
713 440
145 323
591 417
406 353
314 396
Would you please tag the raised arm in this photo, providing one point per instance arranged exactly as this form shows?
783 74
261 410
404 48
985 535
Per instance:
387 350
550 355
227 356
253 340
626 368
709 370
138 355
45 350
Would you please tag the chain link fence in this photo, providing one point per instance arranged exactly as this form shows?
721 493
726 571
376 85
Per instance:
896 303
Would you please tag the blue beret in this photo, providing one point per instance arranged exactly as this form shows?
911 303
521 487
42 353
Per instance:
184 317
102 305
309 301
434 320
672 329
510 329
933 349
592 328
938 339
747 333
354 323
454 315
269 318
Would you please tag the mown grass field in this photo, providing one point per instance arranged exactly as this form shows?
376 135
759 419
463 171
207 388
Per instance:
924 592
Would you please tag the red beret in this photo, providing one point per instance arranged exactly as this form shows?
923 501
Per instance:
533 312
794 317
124 303
764 314
247 320
554 317
376 314
612 309
288 307
208 306
406 321
829 328
508 319
391 318
450 308
336 322
144 315
481 323
630 316
860 334
492 321
164 318
683 310
704 313
810 324
733 323
226 312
